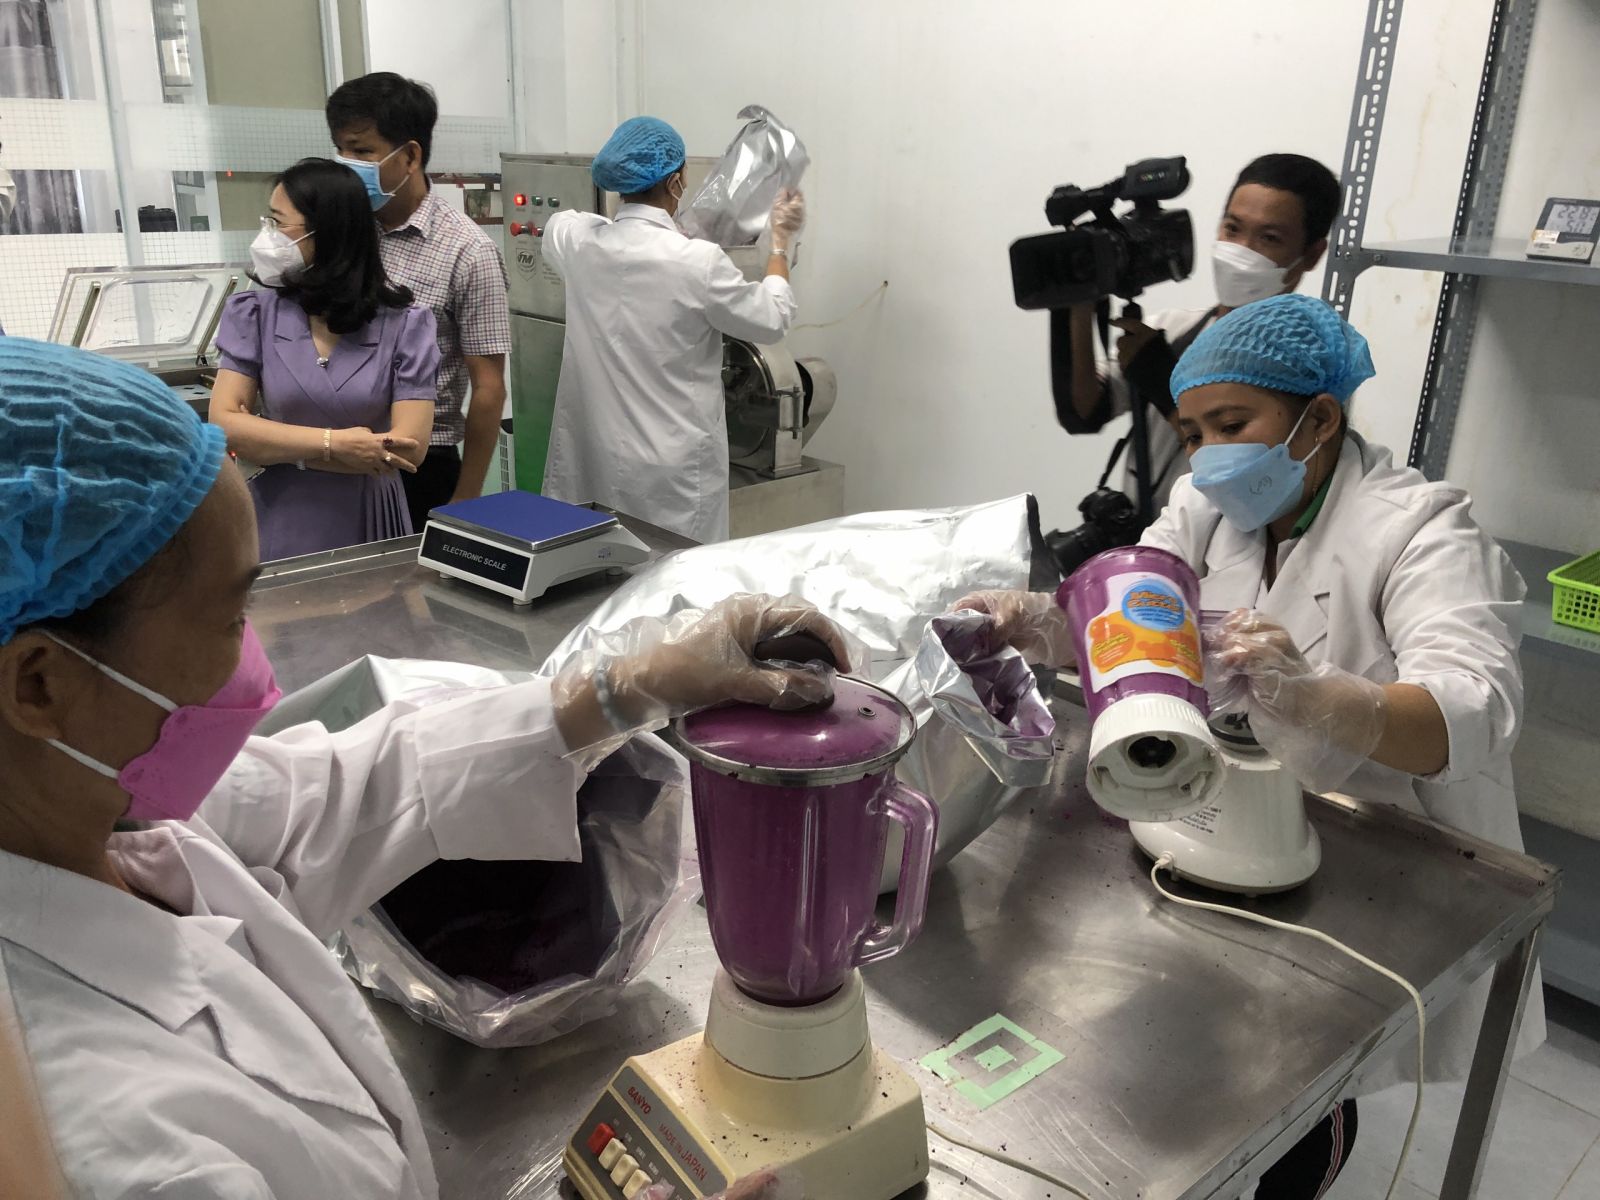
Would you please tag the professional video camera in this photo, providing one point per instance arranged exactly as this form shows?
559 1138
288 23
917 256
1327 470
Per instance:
1107 255
1089 262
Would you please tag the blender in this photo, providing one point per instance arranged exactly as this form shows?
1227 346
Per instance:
792 812
1254 838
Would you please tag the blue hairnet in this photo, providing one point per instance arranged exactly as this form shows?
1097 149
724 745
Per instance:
100 464
1291 343
640 154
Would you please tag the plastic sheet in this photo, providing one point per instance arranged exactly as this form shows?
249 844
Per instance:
732 206
515 953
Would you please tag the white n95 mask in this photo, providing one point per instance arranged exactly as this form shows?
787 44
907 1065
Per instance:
1242 276
275 256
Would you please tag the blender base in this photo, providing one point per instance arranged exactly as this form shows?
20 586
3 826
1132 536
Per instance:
1253 839
688 1116
1246 870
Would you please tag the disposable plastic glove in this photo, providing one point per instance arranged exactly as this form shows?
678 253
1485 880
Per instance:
1320 722
1031 622
763 1185
788 216
650 671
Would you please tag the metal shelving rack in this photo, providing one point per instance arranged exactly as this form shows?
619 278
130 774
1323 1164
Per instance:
1561 665
1471 253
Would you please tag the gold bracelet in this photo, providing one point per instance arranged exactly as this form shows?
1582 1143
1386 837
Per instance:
327 445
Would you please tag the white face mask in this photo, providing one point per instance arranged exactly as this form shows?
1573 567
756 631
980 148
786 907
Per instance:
1243 276
275 255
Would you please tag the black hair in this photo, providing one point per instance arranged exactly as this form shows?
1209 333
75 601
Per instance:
345 284
1306 178
402 110
659 188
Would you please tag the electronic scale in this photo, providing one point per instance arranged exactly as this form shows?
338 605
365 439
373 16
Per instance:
521 545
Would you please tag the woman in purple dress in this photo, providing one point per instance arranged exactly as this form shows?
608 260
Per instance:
327 377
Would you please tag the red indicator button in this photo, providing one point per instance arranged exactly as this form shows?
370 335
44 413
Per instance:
600 1138
520 200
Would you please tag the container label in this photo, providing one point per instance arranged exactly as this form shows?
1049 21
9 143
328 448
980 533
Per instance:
1146 628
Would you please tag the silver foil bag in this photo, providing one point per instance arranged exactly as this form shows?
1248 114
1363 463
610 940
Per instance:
514 953
734 204
884 578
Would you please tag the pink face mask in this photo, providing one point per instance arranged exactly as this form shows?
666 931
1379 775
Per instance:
198 742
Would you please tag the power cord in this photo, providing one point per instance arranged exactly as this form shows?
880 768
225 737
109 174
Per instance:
1007 1160
1167 860
866 300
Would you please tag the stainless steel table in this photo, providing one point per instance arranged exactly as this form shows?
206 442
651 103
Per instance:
1194 1048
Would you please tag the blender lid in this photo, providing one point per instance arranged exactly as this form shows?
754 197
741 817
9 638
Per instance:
864 731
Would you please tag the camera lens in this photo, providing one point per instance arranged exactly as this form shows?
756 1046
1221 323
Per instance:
1152 752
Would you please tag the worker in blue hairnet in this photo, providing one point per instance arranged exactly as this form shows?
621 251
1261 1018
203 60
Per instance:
640 424
1372 626
166 878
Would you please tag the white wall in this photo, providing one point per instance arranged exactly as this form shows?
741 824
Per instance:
936 131
937 128
457 46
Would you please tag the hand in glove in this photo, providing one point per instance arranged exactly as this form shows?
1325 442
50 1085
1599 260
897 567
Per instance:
763 1185
788 217
1031 622
641 676
1320 722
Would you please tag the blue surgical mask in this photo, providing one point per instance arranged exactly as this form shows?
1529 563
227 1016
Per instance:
1251 484
368 174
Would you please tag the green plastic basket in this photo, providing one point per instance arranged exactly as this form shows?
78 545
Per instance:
1577 598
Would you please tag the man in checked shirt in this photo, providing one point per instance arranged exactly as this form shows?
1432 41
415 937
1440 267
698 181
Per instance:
382 125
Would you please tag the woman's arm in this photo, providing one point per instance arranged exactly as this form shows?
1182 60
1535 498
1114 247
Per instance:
352 451
485 773
257 439
345 817
1415 737
410 425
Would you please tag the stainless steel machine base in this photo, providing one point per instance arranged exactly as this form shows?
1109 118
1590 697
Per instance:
760 505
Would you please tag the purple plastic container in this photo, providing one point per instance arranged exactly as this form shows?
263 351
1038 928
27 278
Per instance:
1135 619
791 812
1134 614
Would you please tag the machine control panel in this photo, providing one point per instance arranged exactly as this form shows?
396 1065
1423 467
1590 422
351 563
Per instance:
631 1139
539 186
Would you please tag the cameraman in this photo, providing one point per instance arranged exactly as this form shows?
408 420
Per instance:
1274 232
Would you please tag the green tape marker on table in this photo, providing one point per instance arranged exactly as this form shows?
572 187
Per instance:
991 1060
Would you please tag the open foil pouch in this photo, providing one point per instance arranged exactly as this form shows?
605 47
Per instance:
514 953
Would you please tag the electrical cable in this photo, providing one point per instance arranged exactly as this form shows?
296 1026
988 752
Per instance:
866 300
1167 860
1006 1160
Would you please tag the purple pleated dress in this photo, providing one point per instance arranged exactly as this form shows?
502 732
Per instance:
393 357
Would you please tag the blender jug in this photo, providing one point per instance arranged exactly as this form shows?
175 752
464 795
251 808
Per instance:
791 812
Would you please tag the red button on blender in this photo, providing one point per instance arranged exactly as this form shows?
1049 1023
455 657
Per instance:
600 1138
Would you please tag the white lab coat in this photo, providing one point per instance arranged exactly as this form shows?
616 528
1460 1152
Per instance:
221 1053
1394 582
640 423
